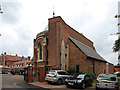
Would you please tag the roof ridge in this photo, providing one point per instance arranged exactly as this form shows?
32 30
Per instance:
80 42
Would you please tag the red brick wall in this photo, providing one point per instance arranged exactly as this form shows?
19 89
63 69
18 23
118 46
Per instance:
41 74
52 43
58 30
100 67
76 57
10 62
30 74
111 68
40 64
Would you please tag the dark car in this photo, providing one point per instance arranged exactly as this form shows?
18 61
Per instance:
79 81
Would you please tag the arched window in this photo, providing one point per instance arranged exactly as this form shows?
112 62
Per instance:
40 51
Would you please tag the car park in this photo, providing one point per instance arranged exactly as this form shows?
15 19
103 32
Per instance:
79 81
107 81
57 76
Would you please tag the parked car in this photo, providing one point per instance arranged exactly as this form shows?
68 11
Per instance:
117 73
79 81
57 76
107 81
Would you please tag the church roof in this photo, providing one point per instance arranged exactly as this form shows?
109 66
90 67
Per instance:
46 29
88 51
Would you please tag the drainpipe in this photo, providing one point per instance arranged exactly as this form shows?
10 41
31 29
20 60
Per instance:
107 68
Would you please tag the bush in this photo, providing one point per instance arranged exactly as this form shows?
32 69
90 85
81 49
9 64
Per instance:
92 74
71 71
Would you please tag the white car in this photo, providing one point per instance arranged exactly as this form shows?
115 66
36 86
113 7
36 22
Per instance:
109 81
57 76
117 73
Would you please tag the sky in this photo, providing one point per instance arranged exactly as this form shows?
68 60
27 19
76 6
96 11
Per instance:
22 20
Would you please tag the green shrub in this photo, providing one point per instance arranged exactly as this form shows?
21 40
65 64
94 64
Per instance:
18 69
92 74
71 71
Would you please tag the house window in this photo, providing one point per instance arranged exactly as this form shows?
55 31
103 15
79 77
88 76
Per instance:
40 51
77 68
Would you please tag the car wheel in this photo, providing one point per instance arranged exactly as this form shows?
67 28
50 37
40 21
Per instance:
68 86
97 88
117 88
91 84
83 85
48 82
59 81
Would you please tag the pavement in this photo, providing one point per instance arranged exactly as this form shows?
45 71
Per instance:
55 86
16 82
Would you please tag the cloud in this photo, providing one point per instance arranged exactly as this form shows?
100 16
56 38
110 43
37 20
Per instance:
11 12
22 20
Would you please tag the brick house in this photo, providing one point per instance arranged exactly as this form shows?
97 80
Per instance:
15 61
62 46
117 68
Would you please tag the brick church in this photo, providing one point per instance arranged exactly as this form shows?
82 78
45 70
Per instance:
61 46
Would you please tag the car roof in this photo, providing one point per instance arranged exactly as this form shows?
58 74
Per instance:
107 74
57 70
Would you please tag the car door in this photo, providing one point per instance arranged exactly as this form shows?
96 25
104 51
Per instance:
64 75
87 80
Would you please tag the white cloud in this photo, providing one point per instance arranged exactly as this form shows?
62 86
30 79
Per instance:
24 19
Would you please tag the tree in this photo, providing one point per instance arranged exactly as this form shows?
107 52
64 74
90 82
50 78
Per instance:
116 46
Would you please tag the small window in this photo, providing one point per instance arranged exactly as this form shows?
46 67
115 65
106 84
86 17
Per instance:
77 68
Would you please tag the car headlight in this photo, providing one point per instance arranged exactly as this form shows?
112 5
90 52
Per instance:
79 81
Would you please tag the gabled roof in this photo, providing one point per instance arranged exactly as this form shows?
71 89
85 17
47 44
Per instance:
88 51
15 58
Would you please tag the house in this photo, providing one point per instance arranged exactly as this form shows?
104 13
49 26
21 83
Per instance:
117 68
61 46
14 62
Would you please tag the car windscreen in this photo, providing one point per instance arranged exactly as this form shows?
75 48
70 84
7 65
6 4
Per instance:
51 72
107 77
79 76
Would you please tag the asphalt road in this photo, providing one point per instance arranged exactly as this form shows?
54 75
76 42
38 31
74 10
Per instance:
16 82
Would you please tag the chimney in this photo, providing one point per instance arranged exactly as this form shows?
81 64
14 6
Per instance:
28 57
5 53
16 55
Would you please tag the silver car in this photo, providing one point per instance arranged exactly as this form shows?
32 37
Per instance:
107 81
57 76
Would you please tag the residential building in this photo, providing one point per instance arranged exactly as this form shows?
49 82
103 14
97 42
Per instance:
15 61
